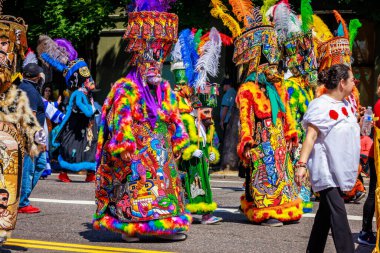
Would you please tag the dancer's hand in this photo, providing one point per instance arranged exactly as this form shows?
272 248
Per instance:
126 156
197 153
300 175
212 157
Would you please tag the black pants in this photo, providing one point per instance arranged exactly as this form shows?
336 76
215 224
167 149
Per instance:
369 205
331 214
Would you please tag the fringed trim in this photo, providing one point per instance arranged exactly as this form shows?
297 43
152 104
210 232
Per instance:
189 122
202 208
188 152
76 166
180 143
216 152
165 226
287 212
307 207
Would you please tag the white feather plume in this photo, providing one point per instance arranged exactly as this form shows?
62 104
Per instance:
176 53
30 57
208 62
295 24
281 19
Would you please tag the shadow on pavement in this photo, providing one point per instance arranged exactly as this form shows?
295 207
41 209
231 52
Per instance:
9 249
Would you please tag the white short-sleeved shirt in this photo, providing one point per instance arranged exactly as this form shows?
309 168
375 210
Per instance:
334 159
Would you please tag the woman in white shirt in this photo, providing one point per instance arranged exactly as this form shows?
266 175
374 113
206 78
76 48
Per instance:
332 151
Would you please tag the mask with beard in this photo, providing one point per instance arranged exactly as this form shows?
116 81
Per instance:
206 116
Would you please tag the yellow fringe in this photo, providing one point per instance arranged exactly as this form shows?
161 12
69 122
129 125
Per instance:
291 211
201 208
187 153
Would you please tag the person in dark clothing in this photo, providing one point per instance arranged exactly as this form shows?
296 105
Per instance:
32 170
367 236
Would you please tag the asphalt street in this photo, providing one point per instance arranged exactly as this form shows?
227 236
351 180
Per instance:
64 225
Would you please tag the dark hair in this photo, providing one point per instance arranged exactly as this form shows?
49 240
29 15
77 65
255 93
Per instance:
2 190
332 76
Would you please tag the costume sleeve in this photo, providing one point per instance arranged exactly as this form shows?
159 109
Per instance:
244 100
118 106
52 112
191 129
84 105
290 129
213 139
28 123
180 138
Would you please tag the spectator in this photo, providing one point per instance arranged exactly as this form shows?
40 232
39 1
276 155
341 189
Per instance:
366 236
32 170
333 144
228 101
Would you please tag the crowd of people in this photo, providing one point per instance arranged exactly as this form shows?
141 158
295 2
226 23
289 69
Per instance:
150 147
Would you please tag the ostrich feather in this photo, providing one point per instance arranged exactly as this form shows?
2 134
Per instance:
176 55
197 38
242 10
66 45
281 18
150 5
218 11
306 15
340 20
208 62
295 24
353 28
320 29
189 55
266 5
50 53
30 57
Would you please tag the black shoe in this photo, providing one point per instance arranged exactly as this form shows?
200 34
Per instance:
367 238
358 197
272 223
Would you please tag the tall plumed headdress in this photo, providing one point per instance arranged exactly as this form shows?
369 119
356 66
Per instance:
150 33
334 50
62 56
13 44
255 40
195 57
295 36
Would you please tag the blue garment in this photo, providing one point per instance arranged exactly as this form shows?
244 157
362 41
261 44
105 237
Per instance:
228 100
31 173
35 100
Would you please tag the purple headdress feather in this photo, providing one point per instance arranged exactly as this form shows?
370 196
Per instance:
71 52
151 5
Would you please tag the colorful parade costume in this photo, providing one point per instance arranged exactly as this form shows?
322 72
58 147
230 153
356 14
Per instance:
138 189
20 132
337 50
76 136
203 149
271 196
299 59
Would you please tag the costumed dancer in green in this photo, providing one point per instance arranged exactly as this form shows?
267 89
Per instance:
196 113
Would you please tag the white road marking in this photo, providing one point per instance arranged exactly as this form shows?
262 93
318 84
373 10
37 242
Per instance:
223 210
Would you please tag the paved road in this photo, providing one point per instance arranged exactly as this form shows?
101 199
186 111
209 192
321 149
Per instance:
64 225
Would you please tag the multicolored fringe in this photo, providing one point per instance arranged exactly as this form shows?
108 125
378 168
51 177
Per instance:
165 226
307 207
291 211
124 99
201 208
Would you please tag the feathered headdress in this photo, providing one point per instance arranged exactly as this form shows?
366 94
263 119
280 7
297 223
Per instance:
219 10
30 57
51 54
66 45
208 63
353 28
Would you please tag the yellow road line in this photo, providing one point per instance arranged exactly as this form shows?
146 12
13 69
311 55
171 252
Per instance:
78 246
68 249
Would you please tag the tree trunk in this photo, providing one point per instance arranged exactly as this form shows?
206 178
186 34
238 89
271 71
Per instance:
230 158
